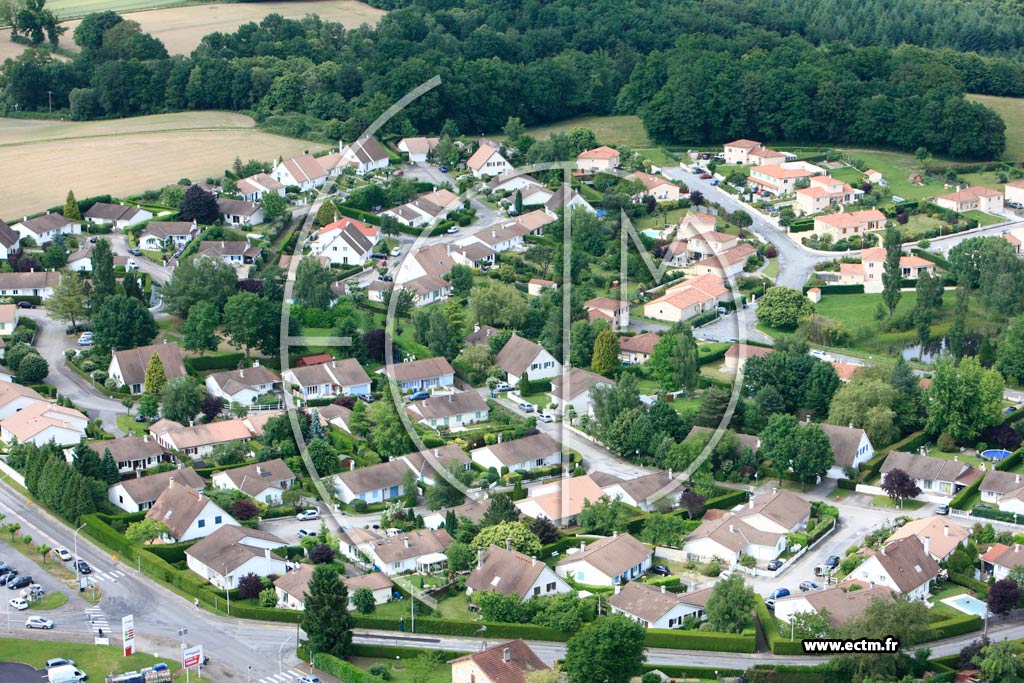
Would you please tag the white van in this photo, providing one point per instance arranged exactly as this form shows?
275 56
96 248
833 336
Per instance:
65 674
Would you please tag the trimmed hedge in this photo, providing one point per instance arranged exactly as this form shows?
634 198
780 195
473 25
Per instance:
390 652
343 670
846 484
171 553
682 671
699 640
766 673
770 629
955 626
937 259
838 289
224 361
998 515
970 582
727 501
958 500
358 214
446 627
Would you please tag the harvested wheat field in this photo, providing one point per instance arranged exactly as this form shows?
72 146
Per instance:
181 28
126 156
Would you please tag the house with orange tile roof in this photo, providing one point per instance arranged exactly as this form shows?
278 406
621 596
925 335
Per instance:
736 356
659 187
613 311
825 192
688 299
537 285
345 241
736 151
560 501
846 224
971 199
707 244
601 158
41 422
725 264
762 156
1016 239
693 224
873 264
1014 192
780 179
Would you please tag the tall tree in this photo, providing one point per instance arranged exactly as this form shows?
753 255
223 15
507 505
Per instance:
198 205
1010 353
199 333
892 274
68 301
198 279
964 399
244 321
273 205
313 284
958 326
182 397
123 323
610 649
326 619
501 509
730 606
899 485
103 282
675 360
71 210
814 454
783 308
156 375
606 353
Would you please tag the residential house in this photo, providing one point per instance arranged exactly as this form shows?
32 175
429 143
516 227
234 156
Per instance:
850 446
875 177
745 440
481 334
1015 236
533 222
736 151
758 529
520 357
16 397
428 289
198 440
537 285
158 234
336 415
1014 192
509 572
694 224
559 201
232 552
527 453
429 463
420 550
187 514
823 193
511 182
905 566
256 186
473 511
999 559
329 379
117 215
487 161
33 283
841 603
475 254
364 155
236 254
642 491
972 199
128 367
677 253
239 212
499 238
944 535
425 373
762 156
656 607
133 454
597 160
418 148
613 311
245 385
726 265
46 228
502 663
709 243
429 207
10 241
573 390
845 371
426 268
935 477
637 349
688 299
304 172
373 484
848 223
606 562
453 411
293 587
736 355
346 241
263 481
42 422
998 485
780 179
139 494
560 501
662 189
873 265
8 319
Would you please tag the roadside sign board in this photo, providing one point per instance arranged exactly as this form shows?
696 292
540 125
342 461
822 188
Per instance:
192 656
128 633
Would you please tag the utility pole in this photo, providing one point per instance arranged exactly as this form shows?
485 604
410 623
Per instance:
49 99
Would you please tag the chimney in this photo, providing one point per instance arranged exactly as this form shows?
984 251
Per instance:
945 529
851 425
508 544
615 534
256 363
882 550
334 363
191 423
259 471
871 584
1016 547
476 327
583 546
435 452
775 489
732 528
927 543
170 483
494 234
751 503
500 434
479 558
1017 479
533 559
138 473
669 472
406 539
352 465
241 372
663 588
506 655
145 438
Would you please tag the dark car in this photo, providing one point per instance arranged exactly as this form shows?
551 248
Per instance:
832 562
8 576
135 252
366 398
93 239
660 570
706 176
443 169
386 278
19 582
1011 409
774 564
809 586
420 395
378 256
83 567
26 304
141 418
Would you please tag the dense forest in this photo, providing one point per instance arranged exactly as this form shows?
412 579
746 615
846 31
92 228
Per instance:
695 72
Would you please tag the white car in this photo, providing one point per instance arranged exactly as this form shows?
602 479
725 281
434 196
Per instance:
18 603
452 230
307 515
822 355
39 622
503 386
309 678
545 417
397 251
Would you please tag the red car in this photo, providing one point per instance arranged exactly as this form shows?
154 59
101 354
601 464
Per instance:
705 176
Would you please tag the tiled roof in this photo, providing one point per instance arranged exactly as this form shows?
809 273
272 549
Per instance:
506 662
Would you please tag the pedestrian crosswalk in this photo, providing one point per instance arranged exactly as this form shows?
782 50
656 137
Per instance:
112 575
98 623
287 677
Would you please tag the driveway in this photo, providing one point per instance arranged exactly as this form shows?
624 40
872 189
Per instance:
51 343
727 327
160 274
12 672
485 215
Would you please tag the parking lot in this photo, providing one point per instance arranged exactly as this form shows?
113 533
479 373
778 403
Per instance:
12 672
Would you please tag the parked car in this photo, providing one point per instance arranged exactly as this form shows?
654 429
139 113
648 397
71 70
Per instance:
138 418
822 355
1010 409
59 661
366 398
378 255
420 395
303 533
778 593
774 564
93 239
503 386
443 169
697 169
8 576
310 678
63 553
135 252
660 570
832 562
386 278
714 183
85 341
397 251
706 176
307 515
725 574
19 582
809 586
526 407
26 304
452 230
546 417
83 567
39 622
18 603
942 509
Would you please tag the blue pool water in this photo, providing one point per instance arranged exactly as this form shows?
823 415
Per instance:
653 234
996 454
968 605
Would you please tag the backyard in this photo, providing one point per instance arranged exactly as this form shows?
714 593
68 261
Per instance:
1012 111
609 130
408 671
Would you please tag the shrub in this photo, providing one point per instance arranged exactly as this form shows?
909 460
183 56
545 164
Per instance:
244 509
946 443
249 587
359 505
321 554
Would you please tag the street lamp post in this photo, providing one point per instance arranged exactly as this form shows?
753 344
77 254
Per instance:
227 595
280 654
78 578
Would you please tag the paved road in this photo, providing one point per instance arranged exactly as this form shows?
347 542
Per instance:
51 341
160 274
727 327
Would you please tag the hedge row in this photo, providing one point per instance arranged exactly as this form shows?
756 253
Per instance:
392 652
682 671
998 515
838 289
727 501
967 581
446 627
955 626
770 629
343 670
171 552
764 673
223 361
358 214
957 503
712 356
937 259
699 640
847 484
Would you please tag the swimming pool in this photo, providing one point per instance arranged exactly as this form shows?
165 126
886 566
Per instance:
967 604
996 454
653 234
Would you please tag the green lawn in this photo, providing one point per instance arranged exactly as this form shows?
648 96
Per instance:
917 224
129 427
771 271
401 673
77 8
886 502
896 167
541 400
983 218
849 175
609 130
51 601
96 661
1012 111
658 156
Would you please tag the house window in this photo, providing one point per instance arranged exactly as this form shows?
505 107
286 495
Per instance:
536 590
551 587
202 523
217 519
